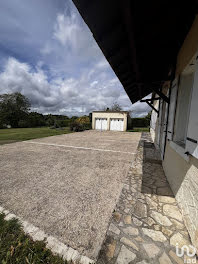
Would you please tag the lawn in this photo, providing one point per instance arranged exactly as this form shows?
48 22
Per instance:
19 134
18 248
139 129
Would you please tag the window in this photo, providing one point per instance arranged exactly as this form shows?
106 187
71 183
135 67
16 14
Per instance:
183 106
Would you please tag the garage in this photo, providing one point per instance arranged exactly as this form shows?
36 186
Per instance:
117 124
109 120
101 123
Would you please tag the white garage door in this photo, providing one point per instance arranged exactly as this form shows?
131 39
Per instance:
117 124
101 123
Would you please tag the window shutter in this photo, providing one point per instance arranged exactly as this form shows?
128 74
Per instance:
172 106
192 132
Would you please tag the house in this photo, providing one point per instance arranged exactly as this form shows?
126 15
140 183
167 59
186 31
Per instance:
109 120
152 47
174 130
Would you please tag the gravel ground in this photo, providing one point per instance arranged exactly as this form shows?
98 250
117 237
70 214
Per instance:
67 185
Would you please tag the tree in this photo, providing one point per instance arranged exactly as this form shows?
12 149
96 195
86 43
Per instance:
35 119
90 117
13 108
73 118
49 120
114 107
84 120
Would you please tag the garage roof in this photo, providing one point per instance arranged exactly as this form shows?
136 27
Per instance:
110 112
140 39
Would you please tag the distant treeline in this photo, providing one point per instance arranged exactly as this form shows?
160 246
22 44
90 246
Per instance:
15 112
34 119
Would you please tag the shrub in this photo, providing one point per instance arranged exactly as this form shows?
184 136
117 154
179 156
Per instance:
140 122
129 123
36 119
76 126
63 123
23 123
80 124
84 121
2 125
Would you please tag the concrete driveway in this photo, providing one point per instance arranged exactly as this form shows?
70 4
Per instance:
67 185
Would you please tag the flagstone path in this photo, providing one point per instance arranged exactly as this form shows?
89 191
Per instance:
147 223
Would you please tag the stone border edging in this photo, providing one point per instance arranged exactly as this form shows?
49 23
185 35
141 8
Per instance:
52 243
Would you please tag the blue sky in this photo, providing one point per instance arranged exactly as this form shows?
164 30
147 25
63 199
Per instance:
48 54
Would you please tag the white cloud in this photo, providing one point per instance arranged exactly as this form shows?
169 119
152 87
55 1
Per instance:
65 96
65 71
47 49
21 77
66 30
73 34
102 64
93 83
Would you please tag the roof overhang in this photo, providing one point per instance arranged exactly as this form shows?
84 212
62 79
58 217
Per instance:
140 39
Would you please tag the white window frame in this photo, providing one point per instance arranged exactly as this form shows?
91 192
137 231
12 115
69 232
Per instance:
175 145
179 123
192 132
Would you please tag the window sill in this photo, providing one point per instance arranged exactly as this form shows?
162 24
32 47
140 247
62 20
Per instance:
180 149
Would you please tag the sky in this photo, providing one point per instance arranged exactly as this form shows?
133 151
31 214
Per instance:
48 54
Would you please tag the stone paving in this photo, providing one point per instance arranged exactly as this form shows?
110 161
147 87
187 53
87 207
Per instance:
146 224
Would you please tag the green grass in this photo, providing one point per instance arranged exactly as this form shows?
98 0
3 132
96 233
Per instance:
18 248
19 134
139 129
